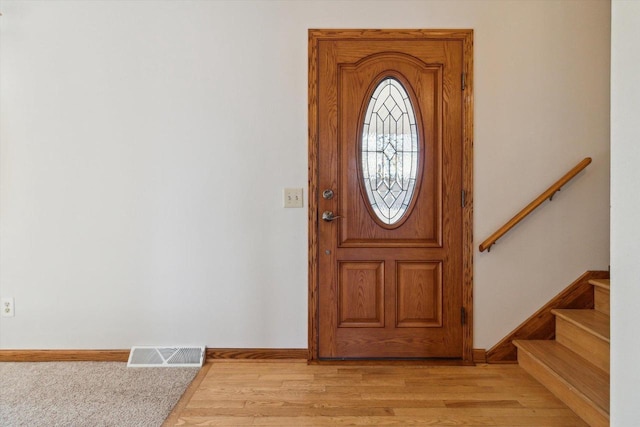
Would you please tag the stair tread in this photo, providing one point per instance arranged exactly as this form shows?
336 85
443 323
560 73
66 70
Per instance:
583 377
592 321
601 283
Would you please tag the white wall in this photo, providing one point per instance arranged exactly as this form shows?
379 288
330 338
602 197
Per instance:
625 205
145 145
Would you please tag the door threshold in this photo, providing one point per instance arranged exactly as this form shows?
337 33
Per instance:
394 361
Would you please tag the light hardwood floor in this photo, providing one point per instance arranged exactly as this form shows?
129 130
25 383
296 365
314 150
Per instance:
292 393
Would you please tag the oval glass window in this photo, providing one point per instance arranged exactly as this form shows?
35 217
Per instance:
389 157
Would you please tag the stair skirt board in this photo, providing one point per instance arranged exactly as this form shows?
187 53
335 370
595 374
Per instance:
176 357
541 324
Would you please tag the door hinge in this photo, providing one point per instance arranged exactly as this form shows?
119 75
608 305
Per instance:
463 315
464 81
464 198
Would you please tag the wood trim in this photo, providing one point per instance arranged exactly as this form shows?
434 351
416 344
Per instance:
541 325
257 353
123 355
466 36
467 210
479 355
313 197
64 355
390 362
174 416
384 34
548 194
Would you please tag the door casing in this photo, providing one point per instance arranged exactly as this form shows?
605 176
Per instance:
464 36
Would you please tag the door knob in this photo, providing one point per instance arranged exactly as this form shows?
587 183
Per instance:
328 216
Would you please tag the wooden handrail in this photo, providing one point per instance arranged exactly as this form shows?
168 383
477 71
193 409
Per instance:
548 194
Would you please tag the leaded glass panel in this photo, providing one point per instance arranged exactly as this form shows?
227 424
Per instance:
389 151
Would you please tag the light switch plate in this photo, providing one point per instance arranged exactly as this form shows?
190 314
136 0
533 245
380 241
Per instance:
293 198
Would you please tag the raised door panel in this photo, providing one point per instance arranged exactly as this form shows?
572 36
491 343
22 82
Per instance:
361 294
419 294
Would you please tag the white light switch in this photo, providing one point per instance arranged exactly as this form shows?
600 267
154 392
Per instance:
293 198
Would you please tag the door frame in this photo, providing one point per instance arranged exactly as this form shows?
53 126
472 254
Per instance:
466 37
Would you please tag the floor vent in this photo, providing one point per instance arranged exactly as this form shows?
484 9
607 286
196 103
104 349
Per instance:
177 357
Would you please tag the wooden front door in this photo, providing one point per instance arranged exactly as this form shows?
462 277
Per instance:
389 183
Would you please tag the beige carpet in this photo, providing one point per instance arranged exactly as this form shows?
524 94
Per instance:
88 394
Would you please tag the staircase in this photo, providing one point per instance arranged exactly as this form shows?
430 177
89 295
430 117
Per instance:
575 366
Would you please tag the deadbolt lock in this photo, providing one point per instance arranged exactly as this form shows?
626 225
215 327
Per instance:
327 194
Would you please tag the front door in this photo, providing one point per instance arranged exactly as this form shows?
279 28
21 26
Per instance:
389 196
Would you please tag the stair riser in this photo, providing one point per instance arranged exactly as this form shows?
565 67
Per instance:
590 347
562 391
601 297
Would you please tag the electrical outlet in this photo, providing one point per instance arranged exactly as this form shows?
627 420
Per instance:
7 307
293 198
